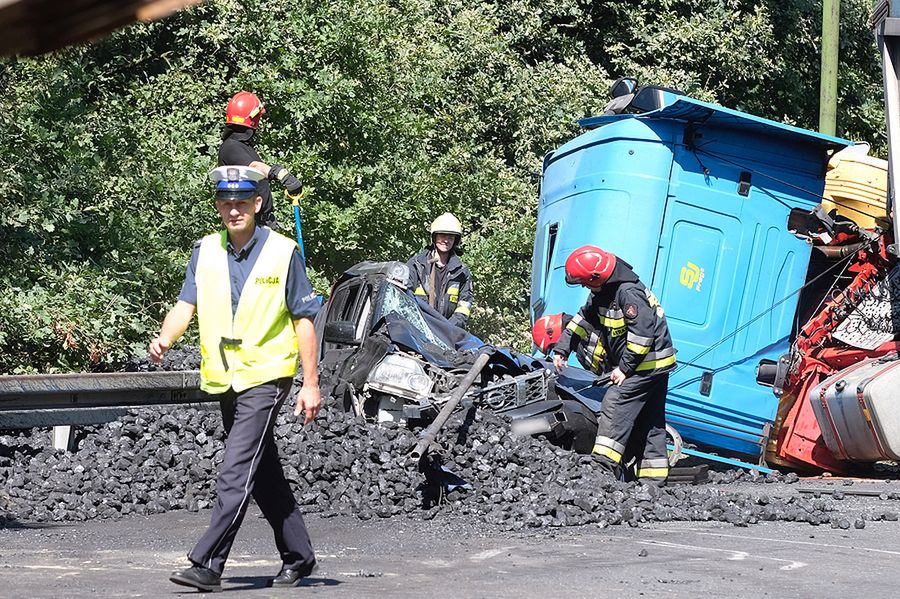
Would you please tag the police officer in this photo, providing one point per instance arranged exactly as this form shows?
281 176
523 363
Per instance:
548 329
255 307
437 275
633 333
242 117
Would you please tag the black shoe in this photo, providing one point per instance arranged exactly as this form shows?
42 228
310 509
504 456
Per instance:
291 577
200 578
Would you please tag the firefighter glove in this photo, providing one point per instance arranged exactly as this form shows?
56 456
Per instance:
283 176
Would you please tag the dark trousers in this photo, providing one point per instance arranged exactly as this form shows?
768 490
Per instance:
251 467
632 424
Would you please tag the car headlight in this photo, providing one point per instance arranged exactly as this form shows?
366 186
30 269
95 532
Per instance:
400 375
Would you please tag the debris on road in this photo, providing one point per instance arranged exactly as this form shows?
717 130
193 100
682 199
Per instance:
156 460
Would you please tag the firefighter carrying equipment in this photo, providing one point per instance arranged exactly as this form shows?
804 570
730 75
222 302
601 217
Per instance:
244 109
237 148
451 292
258 343
589 266
446 223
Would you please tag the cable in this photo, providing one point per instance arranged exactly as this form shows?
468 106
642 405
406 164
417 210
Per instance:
833 297
829 292
777 180
760 315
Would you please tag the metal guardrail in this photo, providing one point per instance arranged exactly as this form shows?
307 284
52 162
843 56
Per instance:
63 400
99 390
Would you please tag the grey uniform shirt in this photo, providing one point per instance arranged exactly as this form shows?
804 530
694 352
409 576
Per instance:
298 292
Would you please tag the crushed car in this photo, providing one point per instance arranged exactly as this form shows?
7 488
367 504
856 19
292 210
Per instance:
389 357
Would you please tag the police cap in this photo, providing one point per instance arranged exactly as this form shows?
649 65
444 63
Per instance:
235 182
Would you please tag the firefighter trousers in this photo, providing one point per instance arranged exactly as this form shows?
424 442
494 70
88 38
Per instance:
632 424
251 467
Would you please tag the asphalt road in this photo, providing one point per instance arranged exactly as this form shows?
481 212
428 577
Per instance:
449 557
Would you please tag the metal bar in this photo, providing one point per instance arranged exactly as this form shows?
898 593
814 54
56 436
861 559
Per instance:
729 461
689 424
428 435
98 400
41 384
846 491
46 418
887 34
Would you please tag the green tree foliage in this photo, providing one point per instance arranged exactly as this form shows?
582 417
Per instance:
391 111
759 57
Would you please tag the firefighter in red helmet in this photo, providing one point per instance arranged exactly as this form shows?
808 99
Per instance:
633 334
242 117
244 109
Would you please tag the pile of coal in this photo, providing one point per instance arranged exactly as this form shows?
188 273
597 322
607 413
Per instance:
159 459
178 358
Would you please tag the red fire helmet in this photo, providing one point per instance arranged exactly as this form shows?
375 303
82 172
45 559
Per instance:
546 331
589 266
244 109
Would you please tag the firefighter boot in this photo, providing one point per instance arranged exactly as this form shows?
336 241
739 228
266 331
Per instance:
608 466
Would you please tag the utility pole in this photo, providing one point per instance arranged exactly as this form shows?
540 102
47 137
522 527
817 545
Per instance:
831 18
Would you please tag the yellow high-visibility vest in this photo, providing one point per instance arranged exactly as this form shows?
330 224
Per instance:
258 343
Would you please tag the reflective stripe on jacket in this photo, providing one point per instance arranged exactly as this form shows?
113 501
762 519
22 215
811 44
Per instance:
454 299
586 344
258 343
631 325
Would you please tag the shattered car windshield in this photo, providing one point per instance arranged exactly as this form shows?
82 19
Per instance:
401 304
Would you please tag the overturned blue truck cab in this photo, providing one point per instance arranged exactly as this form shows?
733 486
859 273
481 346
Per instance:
696 197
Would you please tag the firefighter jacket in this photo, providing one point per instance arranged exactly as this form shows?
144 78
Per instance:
257 343
237 149
630 325
588 350
452 295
